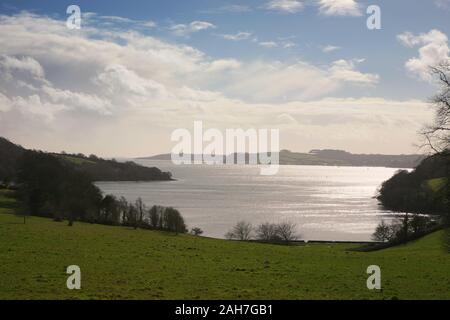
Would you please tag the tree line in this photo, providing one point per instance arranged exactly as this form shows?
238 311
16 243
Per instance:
405 228
283 232
121 212
425 190
97 168
48 186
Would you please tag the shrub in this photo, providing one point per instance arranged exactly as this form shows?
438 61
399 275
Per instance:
241 231
403 229
174 221
383 232
267 232
270 232
196 231
287 231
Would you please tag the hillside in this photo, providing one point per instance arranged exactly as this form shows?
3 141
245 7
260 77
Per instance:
98 169
122 263
331 158
9 156
424 190
111 170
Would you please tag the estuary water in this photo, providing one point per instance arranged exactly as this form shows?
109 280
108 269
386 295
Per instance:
326 203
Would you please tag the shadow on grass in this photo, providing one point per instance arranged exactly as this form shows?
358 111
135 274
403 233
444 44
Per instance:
446 239
386 245
8 204
8 223
13 218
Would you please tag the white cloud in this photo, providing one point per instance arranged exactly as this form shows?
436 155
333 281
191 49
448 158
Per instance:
339 8
150 24
434 48
5 103
25 76
167 67
76 100
33 107
233 8
194 26
287 6
345 70
288 44
27 64
223 65
268 44
330 48
116 19
261 81
408 39
122 93
117 78
238 36
285 118
90 18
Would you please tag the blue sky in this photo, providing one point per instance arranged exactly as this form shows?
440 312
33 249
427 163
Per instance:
307 29
255 55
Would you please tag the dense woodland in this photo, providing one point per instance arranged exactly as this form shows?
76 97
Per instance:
48 186
96 168
424 190
60 186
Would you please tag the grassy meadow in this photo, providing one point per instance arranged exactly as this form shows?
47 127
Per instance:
122 263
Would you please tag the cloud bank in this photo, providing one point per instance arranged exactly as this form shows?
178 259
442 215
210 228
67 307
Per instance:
115 92
433 49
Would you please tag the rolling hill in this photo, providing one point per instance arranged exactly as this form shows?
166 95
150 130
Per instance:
330 158
122 263
98 169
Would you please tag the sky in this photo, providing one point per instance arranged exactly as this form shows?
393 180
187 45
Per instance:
138 70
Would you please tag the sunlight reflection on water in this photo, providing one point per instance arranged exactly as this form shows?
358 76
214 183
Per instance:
327 203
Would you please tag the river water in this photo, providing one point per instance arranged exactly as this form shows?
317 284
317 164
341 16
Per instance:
326 203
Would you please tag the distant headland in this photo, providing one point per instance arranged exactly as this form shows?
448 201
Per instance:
329 157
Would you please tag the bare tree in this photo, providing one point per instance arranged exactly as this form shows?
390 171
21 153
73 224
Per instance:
123 207
133 215
267 232
287 231
229 235
196 231
437 135
140 206
383 232
241 231
155 214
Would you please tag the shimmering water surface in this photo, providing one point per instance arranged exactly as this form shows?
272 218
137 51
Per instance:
326 203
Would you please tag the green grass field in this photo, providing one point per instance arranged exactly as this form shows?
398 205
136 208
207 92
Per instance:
122 263
76 160
436 185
